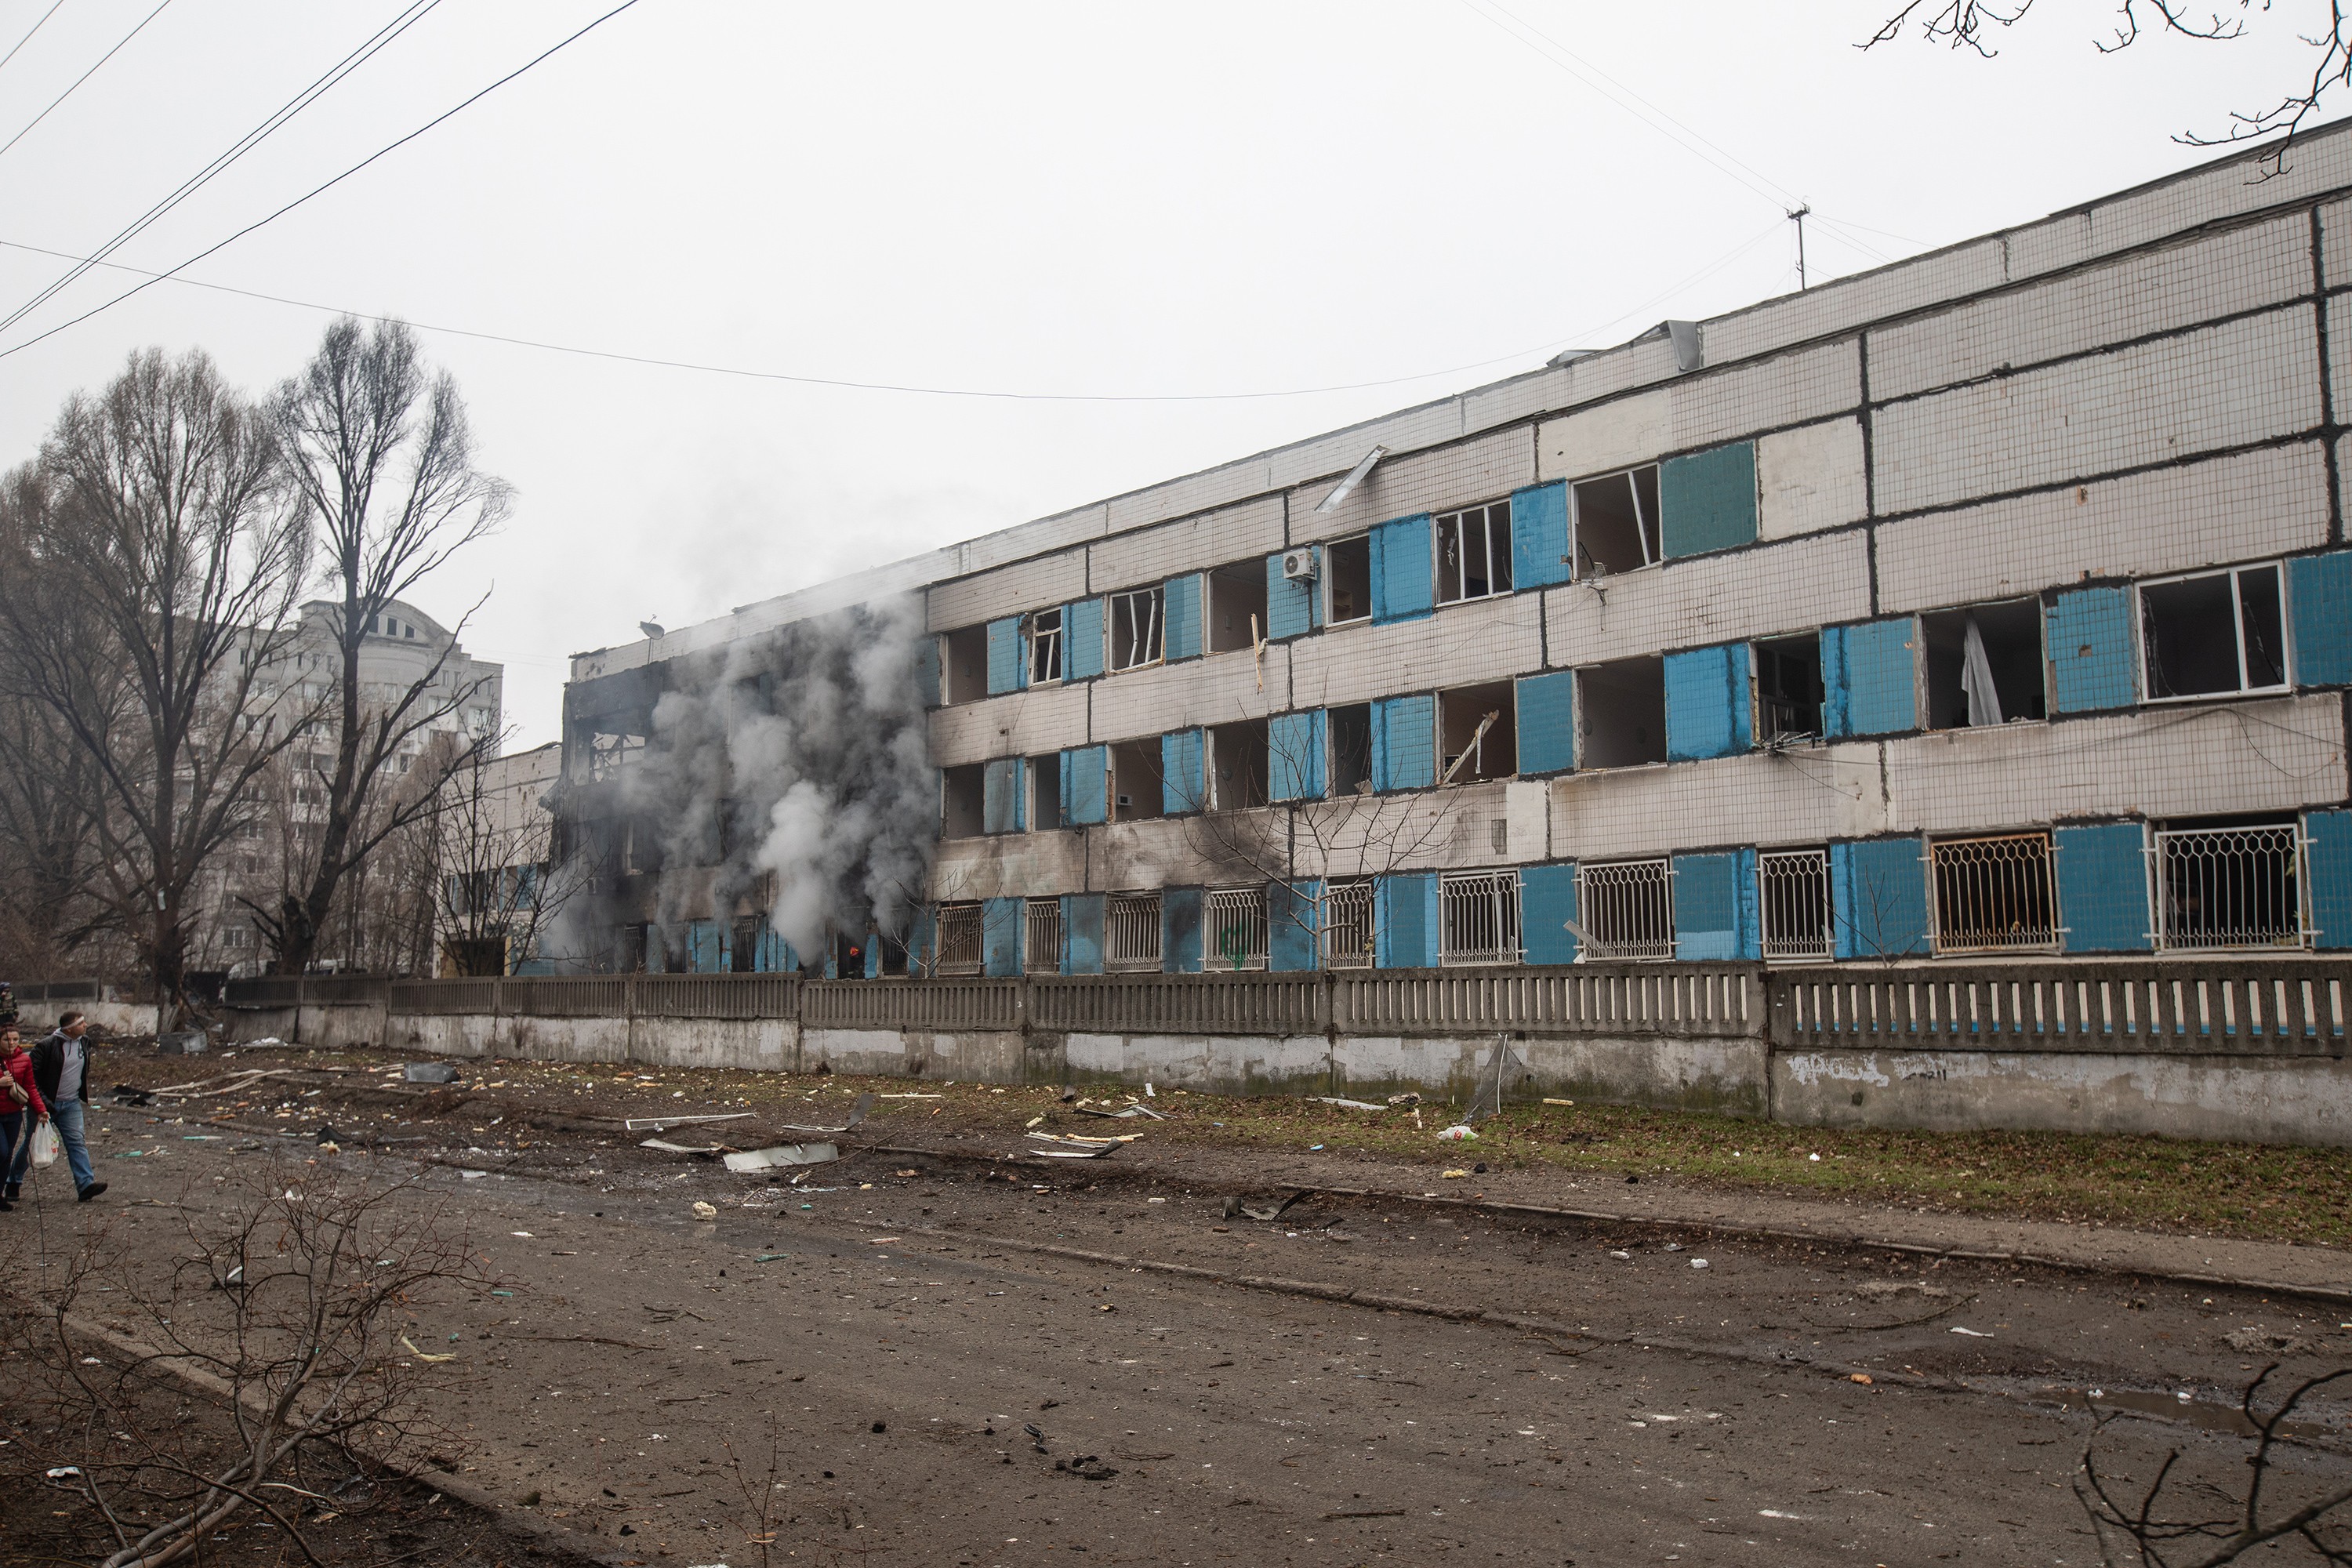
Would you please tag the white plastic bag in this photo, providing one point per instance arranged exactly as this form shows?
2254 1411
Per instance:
45 1144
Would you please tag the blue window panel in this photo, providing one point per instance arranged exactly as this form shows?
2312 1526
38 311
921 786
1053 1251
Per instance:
1182 786
922 942
2093 663
1547 904
1546 722
1404 586
1082 933
2330 869
873 951
2102 887
1715 908
1003 799
1085 779
1180 931
1878 893
1294 755
1870 679
1000 937
1708 500
1294 924
1404 921
927 670
1293 607
1180 633
1539 536
2319 599
1006 667
831 960
1082 639
1404 743
1709 698
706 944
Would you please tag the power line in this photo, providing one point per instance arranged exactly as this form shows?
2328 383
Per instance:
29 32
85 75
414 13
1709 270
329 185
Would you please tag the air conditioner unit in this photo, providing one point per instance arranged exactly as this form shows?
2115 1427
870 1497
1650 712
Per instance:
1297 565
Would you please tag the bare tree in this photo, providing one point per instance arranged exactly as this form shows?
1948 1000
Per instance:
160 564
501 886
383 453
2145 1531
1971 24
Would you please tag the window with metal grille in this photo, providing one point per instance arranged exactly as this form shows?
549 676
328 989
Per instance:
1993 894
1233 922
1040 948
2230 886
1474 553
1134 629
1348 925
959 939
1795 887
1478 917
1131 933
2218 633
1044 647
1625 909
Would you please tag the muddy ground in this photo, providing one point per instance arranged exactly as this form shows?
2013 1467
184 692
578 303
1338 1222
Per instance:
1361 1378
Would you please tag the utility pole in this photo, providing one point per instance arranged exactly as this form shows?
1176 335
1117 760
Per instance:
1798 217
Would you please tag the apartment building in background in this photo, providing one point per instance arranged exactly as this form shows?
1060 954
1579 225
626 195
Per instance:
1993 602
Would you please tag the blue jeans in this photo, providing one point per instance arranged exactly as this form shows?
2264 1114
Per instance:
66 1116
16 1140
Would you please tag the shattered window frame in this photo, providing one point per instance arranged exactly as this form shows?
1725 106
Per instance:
1046 653
2150 654
1133 647
1489 526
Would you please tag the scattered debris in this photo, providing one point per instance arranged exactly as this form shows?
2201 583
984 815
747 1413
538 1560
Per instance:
1458 1133
1550 1100
471 1176
182 1043
430 1072
1234 1206
1861 1377
1126 1113
1406 1098
666 1147
782 1155
1880 1289
425 1355
1622 1257
704 1211
1970 1332
1455 1175
327 1137
2262 1342
1074 1147
656 1123
1365 1513
1348 1104
1085 1467
865 1102
1698 1263
129 1094
910 1097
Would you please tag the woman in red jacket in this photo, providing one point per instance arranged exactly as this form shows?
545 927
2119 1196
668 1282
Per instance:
20 1102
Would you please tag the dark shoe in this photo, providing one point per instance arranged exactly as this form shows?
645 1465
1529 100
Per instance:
14 1193
91 1191
5 1206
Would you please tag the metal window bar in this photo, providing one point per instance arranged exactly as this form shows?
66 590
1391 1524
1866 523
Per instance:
1795 887
1348 925
959 939
1044 647
1135 628
2230 887
1994 894
1626 909
1478 917
1232 925
1040 948
1131 933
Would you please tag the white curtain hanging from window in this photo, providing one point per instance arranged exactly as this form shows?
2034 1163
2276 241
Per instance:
1976 679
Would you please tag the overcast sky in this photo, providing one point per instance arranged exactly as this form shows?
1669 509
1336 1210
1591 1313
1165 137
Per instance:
1107 200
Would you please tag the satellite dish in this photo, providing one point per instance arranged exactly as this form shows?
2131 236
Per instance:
651 629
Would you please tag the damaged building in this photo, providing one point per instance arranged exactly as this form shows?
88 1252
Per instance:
1993 602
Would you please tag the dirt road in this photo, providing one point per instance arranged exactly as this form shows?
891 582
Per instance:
958 1358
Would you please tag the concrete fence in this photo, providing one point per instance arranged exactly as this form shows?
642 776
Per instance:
2248 1048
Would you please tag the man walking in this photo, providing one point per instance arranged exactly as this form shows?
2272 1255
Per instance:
61 1070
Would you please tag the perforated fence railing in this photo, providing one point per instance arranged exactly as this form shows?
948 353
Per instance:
957 1004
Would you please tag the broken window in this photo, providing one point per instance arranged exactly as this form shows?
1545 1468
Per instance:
963 666
1476 727
1622 713
610 754
1993 894
1044 647
1474 553
2217 633
894 952
1135 781
1626 909
1348 925
629 949
1984 664
959 939
1135 628
2229 884
1237 764
743 947
1046 793
1233 922
849 955
1478 917
1616 522
1788 690
647 851
1041 936
1795 885
1347 580
963 792
1131 933
1236 607
1348 734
